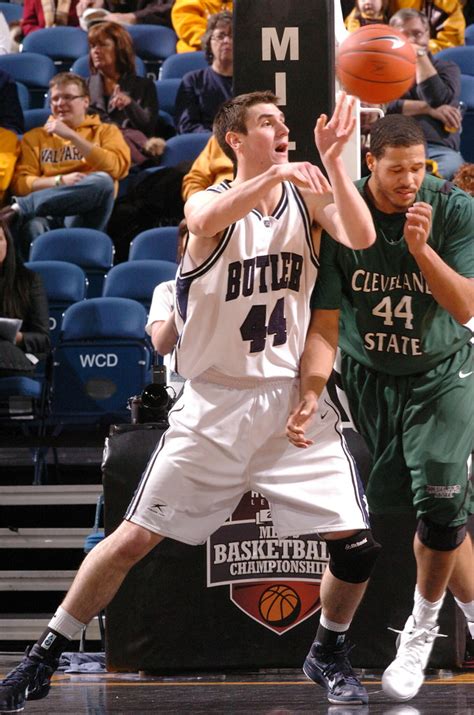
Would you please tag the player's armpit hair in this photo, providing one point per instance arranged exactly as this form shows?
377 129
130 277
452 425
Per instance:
353 558
438 537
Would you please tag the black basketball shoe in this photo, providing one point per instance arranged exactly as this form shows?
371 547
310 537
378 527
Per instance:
331 668
30 680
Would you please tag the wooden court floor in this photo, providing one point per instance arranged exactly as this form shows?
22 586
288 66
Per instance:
273 693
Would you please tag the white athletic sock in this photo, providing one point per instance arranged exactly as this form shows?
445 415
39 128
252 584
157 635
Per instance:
66 625
468 610
332 626
425 612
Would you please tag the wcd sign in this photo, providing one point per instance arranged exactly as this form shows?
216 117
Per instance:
289 48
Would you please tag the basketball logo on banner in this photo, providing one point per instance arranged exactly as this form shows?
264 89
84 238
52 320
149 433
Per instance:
274 581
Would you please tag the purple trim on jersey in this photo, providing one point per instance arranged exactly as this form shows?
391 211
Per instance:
279 208
306 222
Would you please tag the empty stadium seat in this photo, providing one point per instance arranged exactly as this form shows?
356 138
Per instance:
88 248
469 34
156 244
184 148
35 117
65 284
102 359
463 56
177 65
31 69
137 279
23 95
11 11
62 44
153 43
166 91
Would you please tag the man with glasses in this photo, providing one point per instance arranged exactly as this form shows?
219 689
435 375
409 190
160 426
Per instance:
68 170
202 91
433 101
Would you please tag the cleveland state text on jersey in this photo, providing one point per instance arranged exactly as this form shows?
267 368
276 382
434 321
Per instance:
274 271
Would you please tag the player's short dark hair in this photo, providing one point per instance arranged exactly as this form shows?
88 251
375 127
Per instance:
232 116
394 130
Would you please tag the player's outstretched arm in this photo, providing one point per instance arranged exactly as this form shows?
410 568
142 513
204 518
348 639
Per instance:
208 213
347 219
453 292
315 368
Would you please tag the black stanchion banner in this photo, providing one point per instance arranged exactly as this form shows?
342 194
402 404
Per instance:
289 48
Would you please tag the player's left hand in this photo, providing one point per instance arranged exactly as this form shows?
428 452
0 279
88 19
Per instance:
299 420
332 136
417 226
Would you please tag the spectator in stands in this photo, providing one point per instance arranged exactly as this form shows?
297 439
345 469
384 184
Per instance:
22 297
446 21
189 18
367 12
211 167
464 178
38 14
201 92
68 170
434 98
118 96
127 12
11 124
5 41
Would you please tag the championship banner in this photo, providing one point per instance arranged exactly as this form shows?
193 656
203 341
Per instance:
289 48
274 581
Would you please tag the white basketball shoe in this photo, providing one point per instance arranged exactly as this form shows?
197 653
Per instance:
404 676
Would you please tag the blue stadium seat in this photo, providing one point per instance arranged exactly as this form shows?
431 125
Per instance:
153 43
33 70
35 118
469 34
184 147
23 95
463 56
65 284
156 244
11 11
81 66
467 90
92 250
137 279
177 65
102 359
62 44
166 91
467 136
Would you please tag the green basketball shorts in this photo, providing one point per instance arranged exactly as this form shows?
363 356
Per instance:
420 432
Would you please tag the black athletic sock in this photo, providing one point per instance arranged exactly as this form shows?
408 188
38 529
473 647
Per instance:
49 646
330 639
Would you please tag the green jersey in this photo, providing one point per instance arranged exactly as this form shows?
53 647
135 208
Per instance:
390 321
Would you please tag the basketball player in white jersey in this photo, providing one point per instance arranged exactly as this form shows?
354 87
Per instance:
242 313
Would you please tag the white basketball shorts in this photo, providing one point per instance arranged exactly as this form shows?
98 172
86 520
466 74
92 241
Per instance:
223 442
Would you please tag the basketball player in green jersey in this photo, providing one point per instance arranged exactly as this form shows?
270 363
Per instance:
407 368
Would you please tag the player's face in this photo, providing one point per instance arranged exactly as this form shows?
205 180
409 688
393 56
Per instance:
396 177
266 141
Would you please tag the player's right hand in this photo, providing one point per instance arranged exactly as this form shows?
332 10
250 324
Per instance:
299 420
305 176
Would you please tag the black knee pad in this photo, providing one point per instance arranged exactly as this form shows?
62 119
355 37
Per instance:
439 537
352 559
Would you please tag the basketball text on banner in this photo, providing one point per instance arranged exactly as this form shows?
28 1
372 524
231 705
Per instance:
288 48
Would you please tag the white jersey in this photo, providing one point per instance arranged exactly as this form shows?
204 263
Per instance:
245 311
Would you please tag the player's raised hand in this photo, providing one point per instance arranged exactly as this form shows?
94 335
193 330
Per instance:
417 226
305 175
332 135
299 420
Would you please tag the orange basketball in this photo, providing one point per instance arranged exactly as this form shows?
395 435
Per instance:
376 63
279 605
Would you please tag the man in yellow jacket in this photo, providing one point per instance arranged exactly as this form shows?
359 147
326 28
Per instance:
189 19
67 172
